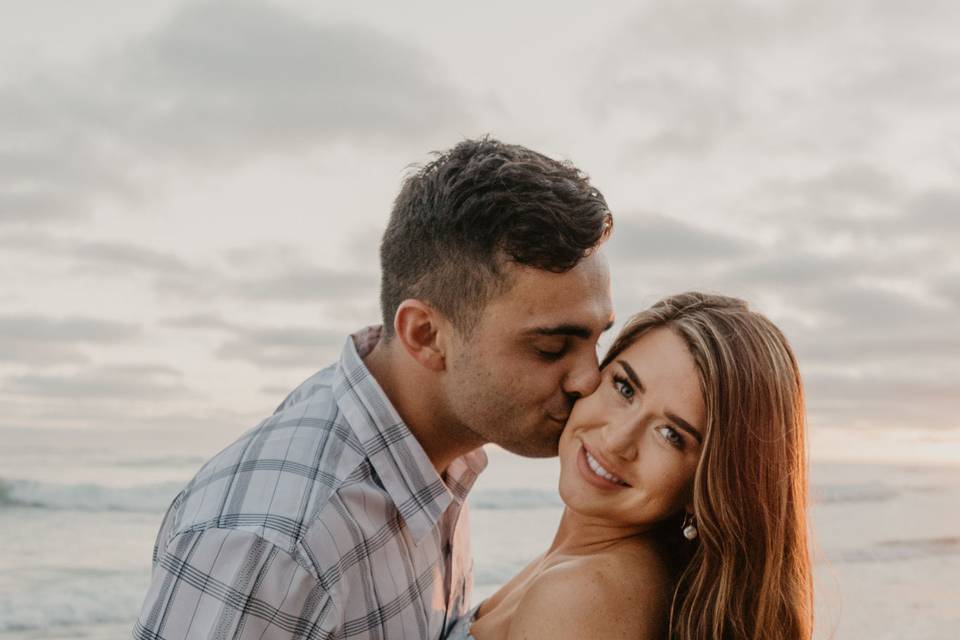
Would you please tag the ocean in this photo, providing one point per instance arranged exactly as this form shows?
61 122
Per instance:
79 511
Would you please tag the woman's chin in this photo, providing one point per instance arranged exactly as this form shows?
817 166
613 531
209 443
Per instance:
578 498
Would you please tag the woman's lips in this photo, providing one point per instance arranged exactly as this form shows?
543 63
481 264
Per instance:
591 477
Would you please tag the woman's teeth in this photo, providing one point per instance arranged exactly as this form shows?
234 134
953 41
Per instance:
600 471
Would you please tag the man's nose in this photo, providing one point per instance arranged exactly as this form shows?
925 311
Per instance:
584 377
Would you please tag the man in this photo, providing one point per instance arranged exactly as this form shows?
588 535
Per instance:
342 515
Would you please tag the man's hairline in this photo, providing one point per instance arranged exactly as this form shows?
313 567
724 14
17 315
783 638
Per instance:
504 274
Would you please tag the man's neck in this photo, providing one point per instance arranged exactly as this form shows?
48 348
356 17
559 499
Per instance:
413 393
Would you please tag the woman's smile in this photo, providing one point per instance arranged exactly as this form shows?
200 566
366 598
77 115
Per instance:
596 473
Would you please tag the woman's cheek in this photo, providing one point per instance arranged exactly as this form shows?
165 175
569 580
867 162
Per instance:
669 482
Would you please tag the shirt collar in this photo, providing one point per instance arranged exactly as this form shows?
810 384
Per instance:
419 493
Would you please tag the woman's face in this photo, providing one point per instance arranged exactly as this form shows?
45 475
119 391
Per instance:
630 449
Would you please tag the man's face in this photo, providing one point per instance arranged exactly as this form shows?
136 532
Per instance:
513 380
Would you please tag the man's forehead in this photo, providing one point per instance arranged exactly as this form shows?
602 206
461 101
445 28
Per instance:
590 278
576 302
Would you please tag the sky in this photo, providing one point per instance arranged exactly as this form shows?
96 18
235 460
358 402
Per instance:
192 193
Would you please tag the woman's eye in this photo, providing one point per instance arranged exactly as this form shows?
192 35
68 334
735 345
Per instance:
671 436
623 387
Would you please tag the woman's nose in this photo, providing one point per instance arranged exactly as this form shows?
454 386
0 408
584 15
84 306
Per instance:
620 439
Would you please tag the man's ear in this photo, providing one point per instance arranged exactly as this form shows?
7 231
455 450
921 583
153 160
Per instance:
418 326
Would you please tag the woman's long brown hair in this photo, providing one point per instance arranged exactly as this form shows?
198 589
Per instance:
747 575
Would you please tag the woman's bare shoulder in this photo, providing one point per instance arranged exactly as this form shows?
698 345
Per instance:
617 594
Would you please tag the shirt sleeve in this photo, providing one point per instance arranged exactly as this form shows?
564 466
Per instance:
226 583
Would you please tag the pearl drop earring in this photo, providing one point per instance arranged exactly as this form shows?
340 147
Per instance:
690 528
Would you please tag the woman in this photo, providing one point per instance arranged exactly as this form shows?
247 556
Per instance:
684 479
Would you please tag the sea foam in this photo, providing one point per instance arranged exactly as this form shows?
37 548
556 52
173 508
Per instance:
151 498
73 599
147 498
501 499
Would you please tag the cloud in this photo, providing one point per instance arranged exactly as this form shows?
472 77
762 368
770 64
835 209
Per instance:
647 238
680 71
275 391
857 325
934 211
312 81
858 306
203 426
851 194
100 258
308 283
200 321
909 61
40 340
285 273
116 382
201 91
265 273
105 257
800 155
865 205
293 284
291 347
267 347
871 316
884 401
949 288
853 79
782 268
34 204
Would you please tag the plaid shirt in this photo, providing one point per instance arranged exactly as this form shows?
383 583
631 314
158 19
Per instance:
327 520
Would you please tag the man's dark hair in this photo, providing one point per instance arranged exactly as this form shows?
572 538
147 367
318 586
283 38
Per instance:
475 208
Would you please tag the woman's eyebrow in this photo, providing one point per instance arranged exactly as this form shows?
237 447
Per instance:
683 424
634 378
686 426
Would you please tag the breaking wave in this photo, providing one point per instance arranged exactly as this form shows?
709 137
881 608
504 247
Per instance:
148 498
499 499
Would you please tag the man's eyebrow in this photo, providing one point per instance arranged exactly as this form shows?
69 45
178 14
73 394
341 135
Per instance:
575 330
686 426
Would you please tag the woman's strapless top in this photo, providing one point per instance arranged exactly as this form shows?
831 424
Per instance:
461 630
